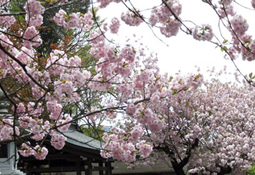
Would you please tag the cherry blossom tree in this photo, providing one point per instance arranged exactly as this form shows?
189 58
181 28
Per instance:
203 125
200 128
208 128
25 39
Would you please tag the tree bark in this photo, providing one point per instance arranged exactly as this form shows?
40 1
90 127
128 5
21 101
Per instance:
178 167
225 170
178 170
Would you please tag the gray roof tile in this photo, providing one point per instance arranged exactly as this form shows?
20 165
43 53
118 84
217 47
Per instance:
79 139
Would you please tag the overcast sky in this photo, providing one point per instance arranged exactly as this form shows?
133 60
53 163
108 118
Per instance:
181 52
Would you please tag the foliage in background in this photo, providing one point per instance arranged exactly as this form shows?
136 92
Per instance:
251 171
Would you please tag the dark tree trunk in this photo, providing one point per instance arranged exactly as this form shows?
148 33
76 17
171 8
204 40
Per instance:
178 170
225 170
178 166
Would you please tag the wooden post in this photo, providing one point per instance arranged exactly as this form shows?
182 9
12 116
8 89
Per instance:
109 168
101 172
78 165
88 170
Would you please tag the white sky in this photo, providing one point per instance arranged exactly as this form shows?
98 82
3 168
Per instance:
183 52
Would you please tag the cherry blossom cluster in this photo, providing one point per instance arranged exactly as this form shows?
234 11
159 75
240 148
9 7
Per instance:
34 11
171 28
253 4
115 24
203 33
105 3
31 38
131 18
248 52
228 10
225 2
6 130
162 15
74 20
239 25
7 21
123 150
58 141
4 2
38 152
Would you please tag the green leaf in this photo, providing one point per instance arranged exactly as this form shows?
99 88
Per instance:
250 75
170 79
225 41
224 48
251 171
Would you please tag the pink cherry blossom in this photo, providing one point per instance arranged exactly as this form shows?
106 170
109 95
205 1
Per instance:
225 2
34 7
55 109
40 153
171 28
131 19
239 25
31 38
24 121
203 33
60 18
115 24
26 150
7 21
36 20
253 3
58 141
137 132
144 149
65 122
6 133
38 137
105 3
131 109
73 21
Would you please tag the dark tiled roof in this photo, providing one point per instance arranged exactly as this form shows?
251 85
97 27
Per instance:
79 139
